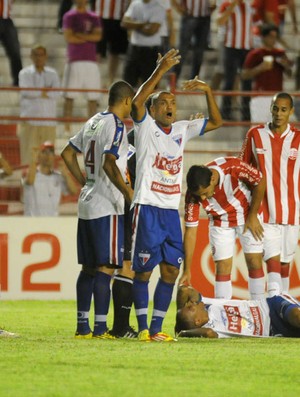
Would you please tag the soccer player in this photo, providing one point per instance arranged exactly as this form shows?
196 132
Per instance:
220 318
157 238
103 143
274 148
230 191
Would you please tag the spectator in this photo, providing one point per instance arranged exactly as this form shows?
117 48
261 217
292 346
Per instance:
157 235
9 39
274 149
214 318
283 6
43 185
194 31
167 30
230 191
82 31
5 167
266 11
144 19
266 66
114 38
236 15
219 67
38 103
100 241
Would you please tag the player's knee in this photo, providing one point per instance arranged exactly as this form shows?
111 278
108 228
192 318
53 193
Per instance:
169 273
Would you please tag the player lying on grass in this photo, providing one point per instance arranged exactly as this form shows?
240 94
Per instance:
220 318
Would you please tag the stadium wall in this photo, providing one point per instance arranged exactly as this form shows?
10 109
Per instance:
38 261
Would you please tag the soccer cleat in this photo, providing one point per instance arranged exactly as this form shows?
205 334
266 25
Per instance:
126 333
144 336
162 337
83 336
105 335
6 334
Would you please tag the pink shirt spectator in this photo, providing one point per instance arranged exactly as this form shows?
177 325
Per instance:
83 23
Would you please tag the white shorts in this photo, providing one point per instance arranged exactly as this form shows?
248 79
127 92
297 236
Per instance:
82 75
280 239
222 241
260 109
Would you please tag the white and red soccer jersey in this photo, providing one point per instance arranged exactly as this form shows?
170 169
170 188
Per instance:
5 8
238 32
229 205
197 8
111 9
278 158
238 317
159 157
103 133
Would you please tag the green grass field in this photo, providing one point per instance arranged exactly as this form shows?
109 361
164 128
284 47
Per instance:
47 361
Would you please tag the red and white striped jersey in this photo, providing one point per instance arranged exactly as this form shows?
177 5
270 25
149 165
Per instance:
278 158
5 8
111 9
238 28
230 203
197 8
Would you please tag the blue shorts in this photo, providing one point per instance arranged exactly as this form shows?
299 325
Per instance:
101 241
280 307
156 238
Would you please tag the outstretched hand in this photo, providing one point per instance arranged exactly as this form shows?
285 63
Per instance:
170 59
195 84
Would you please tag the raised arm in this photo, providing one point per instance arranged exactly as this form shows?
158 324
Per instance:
214 115
164 64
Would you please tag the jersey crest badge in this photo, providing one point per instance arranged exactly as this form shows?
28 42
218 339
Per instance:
144 257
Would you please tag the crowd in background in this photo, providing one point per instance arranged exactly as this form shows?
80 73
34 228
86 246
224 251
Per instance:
251 49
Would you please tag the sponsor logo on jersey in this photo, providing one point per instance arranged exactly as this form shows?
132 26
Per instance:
144 257
258 329
293 154
173 167
233 318
161 188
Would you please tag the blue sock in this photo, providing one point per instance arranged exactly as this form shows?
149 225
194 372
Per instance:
141 300
84 291
161 303
101 301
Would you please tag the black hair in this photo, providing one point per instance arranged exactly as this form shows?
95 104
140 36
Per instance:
198 175
267 28
182 322
283 95
118 91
